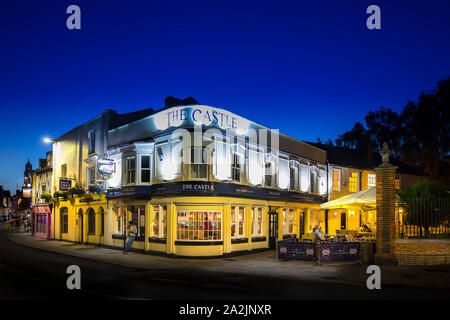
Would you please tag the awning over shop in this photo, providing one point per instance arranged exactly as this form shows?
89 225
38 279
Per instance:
41 209
365 197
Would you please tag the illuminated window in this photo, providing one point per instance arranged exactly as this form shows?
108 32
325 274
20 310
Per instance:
397 183
371 180
236 168
145 169
119 218
293 177
257 225
102 220
199 163
288 221
159 222
199 225
353 182
138 217
336 180
237 222
131 169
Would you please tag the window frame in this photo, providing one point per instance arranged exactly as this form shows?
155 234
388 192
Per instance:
218 231
237 219
260 210
236 167
162 222
353 182
64 220
142 169
91 141
287 223
371 180
336 184
128 170
203 163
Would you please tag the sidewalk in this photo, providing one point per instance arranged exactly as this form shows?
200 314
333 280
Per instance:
262 263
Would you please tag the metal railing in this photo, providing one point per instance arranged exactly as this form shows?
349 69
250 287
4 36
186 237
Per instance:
424 218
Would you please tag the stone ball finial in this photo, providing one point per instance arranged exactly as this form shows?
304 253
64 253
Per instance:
385 152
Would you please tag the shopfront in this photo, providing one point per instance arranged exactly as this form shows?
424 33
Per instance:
42 221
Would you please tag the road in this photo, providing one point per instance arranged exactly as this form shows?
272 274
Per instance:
28 273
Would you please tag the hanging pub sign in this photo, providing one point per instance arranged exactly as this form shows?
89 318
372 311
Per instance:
65 184
26 193
105 168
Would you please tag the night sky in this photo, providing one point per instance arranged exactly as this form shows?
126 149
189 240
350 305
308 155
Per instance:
309 68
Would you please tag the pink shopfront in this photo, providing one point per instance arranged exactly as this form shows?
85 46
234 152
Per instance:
42 221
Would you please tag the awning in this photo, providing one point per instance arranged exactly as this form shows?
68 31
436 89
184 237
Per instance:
41 209
365 197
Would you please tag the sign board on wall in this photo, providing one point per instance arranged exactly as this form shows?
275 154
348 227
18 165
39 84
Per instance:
65 184
105 168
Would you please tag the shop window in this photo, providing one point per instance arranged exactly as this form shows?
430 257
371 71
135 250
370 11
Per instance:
64 218
91 221
257 221
138 218
145 169
200 225
236 168
102 220
371 180
288 221
237 222
159 222
119 219
91 144
353 182
131 170
199 163
336 180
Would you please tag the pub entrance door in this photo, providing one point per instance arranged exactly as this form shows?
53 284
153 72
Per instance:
273 229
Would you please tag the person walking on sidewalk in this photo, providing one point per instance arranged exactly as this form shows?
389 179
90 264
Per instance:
132 233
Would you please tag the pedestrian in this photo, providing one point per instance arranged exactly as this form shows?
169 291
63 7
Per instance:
132 233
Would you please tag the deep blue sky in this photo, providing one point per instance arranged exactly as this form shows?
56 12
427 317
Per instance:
310 68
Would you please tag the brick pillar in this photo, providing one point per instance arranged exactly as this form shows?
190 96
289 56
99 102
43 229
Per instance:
385 244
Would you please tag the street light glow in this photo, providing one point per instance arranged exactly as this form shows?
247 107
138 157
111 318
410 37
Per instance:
48 140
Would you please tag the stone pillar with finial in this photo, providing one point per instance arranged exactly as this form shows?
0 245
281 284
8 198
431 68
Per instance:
385 181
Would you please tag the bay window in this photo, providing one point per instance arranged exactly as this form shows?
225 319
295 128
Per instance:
237 222
159 222
255 167
304 178
236 168
283 173
199 225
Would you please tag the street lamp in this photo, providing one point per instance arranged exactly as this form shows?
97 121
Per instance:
48 140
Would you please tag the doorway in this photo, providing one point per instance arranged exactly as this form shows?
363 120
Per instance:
81 226
343 220
273 229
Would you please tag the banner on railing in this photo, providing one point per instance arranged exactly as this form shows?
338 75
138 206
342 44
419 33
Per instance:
297 250
339 251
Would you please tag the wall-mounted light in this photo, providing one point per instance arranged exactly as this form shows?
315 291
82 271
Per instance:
48 140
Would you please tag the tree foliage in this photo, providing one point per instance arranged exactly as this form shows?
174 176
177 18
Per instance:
419 135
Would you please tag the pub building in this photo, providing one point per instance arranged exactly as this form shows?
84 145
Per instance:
199 181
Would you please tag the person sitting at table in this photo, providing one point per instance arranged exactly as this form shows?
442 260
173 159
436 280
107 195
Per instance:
365 228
